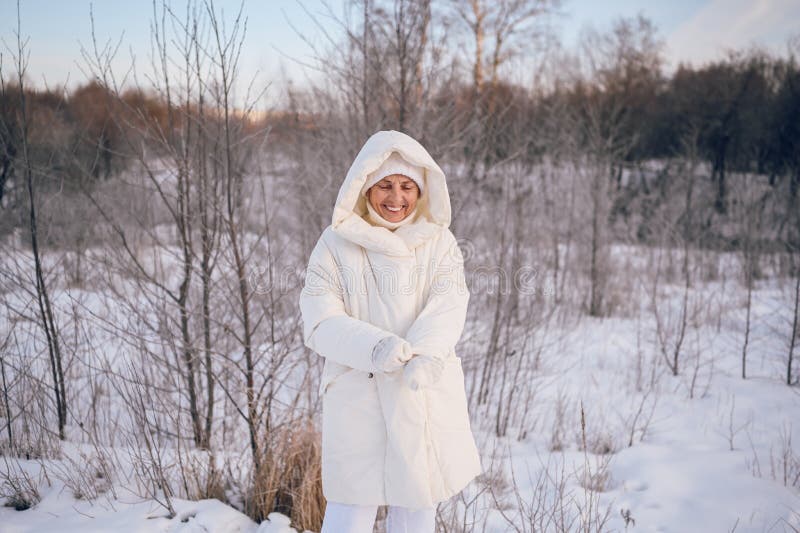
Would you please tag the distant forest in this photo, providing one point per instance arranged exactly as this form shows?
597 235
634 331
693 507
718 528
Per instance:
611 101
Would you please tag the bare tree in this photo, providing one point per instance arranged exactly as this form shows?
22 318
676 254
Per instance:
505 24
47 320
671 330
498 29
173 136
790 379
752 203
626 58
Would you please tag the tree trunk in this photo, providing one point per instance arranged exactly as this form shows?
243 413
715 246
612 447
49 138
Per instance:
793 340
479 34
45 309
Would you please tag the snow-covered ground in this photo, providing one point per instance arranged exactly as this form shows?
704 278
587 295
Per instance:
713 463
710 451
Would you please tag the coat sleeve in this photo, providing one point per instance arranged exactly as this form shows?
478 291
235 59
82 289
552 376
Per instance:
439 325
327 327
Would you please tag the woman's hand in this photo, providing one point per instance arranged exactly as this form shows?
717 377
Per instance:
422 371
391 353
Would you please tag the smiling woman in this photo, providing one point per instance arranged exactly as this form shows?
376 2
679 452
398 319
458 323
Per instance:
385 306
392 192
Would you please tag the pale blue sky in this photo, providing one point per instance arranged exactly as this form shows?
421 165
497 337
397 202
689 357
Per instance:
694 31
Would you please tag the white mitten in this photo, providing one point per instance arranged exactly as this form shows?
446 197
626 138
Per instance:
390 354
422 371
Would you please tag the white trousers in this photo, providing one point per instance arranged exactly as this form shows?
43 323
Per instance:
349 518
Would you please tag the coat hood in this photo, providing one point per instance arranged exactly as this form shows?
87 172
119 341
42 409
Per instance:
433 206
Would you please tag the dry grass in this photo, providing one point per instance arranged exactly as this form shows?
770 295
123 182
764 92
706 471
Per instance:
290 481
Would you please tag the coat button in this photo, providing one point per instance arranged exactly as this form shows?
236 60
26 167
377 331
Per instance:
371 374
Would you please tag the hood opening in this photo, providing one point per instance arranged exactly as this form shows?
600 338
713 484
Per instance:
350 208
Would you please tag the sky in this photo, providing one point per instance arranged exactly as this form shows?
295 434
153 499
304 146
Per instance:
694 31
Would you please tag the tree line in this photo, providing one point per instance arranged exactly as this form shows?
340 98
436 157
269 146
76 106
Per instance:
743 111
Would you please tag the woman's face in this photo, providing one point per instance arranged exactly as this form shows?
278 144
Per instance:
394 197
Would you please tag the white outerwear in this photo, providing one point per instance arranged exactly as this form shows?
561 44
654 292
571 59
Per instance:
383 443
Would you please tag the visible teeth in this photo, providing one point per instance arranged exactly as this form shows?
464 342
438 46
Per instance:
394 209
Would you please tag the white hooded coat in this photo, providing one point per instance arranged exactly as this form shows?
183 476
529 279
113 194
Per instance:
382 442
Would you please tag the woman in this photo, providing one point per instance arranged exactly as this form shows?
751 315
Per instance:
384 303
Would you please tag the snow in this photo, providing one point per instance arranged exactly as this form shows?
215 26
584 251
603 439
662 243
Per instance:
695 487
60 511
712 461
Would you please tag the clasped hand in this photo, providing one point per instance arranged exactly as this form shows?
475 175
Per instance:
419 370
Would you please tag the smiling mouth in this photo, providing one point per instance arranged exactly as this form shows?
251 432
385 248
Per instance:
394 210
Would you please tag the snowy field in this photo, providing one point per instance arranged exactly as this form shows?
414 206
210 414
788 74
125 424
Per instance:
703 451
